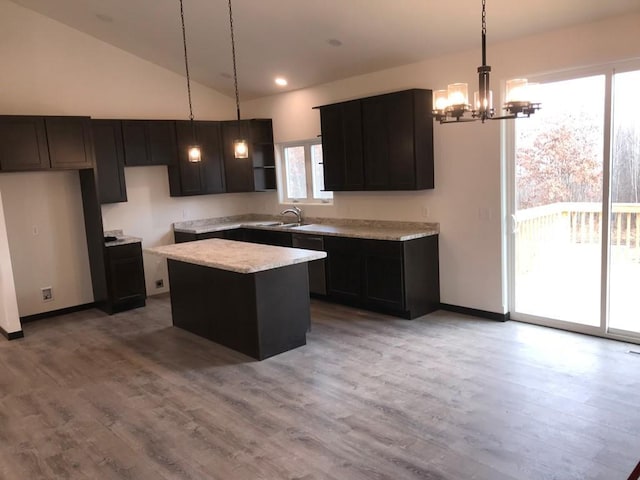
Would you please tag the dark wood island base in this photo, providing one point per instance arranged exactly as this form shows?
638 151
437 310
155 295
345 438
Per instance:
259 314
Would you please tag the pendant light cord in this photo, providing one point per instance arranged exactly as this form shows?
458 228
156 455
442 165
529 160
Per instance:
233 55
186 62
484 33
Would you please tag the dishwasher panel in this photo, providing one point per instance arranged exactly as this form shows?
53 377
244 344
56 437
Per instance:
317 280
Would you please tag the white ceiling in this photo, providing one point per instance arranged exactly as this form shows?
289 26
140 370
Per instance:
290 37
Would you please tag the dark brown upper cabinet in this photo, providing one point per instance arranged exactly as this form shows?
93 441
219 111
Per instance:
23 144
70 142
149 142
263 155
219 171
200 178
29 143
342 155
257 172
238 171
109 154
379 143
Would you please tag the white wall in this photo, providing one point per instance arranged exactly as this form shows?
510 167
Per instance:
9 320
467 198
51 69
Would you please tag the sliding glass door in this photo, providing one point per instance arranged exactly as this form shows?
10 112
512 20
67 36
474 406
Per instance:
576 167
558 203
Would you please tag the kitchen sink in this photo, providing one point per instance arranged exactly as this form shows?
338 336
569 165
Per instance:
291 225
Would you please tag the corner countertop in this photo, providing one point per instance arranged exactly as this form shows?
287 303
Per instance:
239 257
121 239
367 229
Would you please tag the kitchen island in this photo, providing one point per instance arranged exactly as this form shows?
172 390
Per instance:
249 297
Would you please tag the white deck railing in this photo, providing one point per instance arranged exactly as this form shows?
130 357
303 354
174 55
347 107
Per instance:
557 226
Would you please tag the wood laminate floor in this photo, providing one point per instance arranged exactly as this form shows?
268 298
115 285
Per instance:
88 396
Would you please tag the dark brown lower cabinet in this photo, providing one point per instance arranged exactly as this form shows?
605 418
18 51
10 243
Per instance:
181 237
267 237
383 274
260 314
125 277
396 277
401 278
344 268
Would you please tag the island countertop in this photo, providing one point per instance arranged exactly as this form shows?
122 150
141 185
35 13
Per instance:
239 257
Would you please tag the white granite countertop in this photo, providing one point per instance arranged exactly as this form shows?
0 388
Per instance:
379 232
240 257
121 239
368 229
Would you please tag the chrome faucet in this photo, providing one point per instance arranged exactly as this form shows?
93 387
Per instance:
296 211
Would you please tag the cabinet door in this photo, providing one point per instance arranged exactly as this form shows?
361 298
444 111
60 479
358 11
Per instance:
70 142
423 138
383 274
238 171
199 178
212 169
344 268
134 136
23 143
161 141
109 153
400 134
126 273
185 178
342 152
388 133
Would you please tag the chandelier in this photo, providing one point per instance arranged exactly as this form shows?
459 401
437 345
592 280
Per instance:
452 105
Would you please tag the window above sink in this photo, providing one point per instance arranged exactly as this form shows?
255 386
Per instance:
301 173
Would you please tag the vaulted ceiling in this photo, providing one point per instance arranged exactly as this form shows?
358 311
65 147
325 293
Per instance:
310 41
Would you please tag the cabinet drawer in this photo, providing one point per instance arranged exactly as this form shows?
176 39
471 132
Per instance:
124 251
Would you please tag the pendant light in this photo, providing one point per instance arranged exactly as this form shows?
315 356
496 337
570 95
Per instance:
194 153
451 105
240 145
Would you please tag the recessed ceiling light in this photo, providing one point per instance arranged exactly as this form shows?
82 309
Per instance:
281 81
334 42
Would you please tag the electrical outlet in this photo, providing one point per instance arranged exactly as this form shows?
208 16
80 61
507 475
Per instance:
47 294
425 212
159 283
